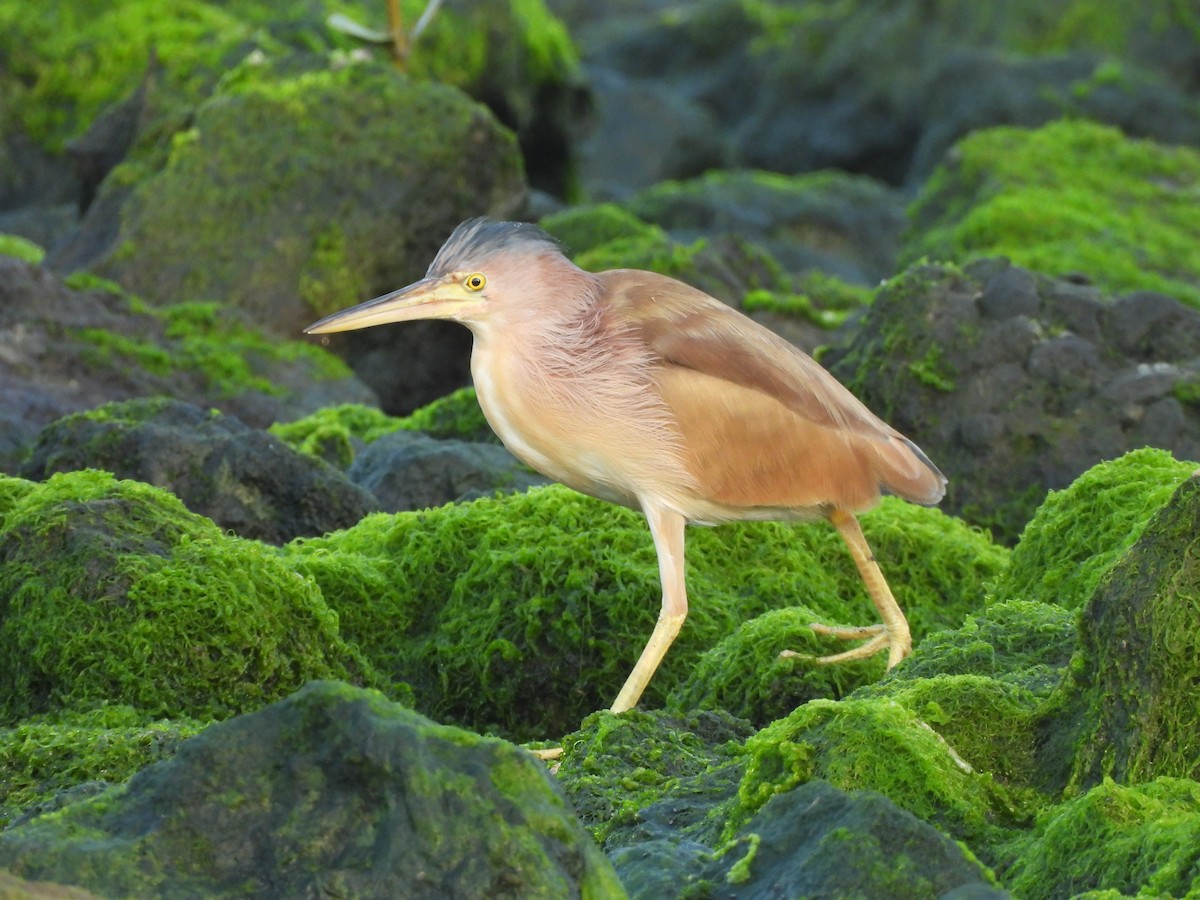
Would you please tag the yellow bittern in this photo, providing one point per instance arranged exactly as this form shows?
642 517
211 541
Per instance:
641 390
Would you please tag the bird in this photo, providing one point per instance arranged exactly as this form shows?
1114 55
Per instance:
644 391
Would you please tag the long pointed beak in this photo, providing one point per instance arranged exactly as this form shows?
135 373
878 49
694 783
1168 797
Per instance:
429 298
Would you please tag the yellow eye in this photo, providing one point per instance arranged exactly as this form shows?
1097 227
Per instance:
475 281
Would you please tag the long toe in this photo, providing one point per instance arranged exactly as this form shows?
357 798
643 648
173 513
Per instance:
876 638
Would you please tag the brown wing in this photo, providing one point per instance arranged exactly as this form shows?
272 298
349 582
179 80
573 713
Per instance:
763 423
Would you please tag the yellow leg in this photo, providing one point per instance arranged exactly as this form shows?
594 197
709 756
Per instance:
666 527
893 633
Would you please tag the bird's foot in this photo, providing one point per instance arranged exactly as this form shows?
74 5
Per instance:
876 638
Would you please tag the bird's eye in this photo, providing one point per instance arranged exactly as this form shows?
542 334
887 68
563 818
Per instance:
475 281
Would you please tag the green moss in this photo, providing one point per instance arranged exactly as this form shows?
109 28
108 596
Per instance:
1127 709
1068 197
75 59
1135 839
1019 642
12 490
653 250
933 369
552 594
877 745
822 299
1078 533
744 674
113 591
202 339
457 415
333 433
614 766
357 422
87 281
1187 390
584 228
329 280
46 755
15 245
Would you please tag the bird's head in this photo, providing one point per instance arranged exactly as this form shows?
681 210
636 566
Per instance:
484 270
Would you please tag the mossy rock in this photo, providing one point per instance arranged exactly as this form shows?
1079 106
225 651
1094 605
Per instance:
346 147
581 229
1127 709
75 60
111 591
614 766
878 745
1070 197
846 225
552 595
1016 383
335 433
1116 840
1078 533
50 761
1018 642
372 797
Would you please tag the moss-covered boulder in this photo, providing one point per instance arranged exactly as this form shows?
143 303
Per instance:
616 766
374 798
344 150
1115 840
112 591
1128 708
845 225
406 471
51 761
1071 197
1080 532
242 478
878 745
655 790
69 65
552 595
1015 383
338 433
74 344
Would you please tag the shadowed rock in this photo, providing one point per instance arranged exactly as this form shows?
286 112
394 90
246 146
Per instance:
243 479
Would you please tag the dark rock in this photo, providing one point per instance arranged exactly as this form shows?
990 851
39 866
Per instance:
1015 383
408 470
644 133
245 480
63 350
1151 327
846 225
882 95
333 790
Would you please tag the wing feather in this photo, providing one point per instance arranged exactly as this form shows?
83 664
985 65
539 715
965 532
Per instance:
764 423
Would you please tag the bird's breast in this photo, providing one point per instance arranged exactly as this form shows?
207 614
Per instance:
598 428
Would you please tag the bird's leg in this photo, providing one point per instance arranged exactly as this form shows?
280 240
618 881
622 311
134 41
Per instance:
666 527
893 632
